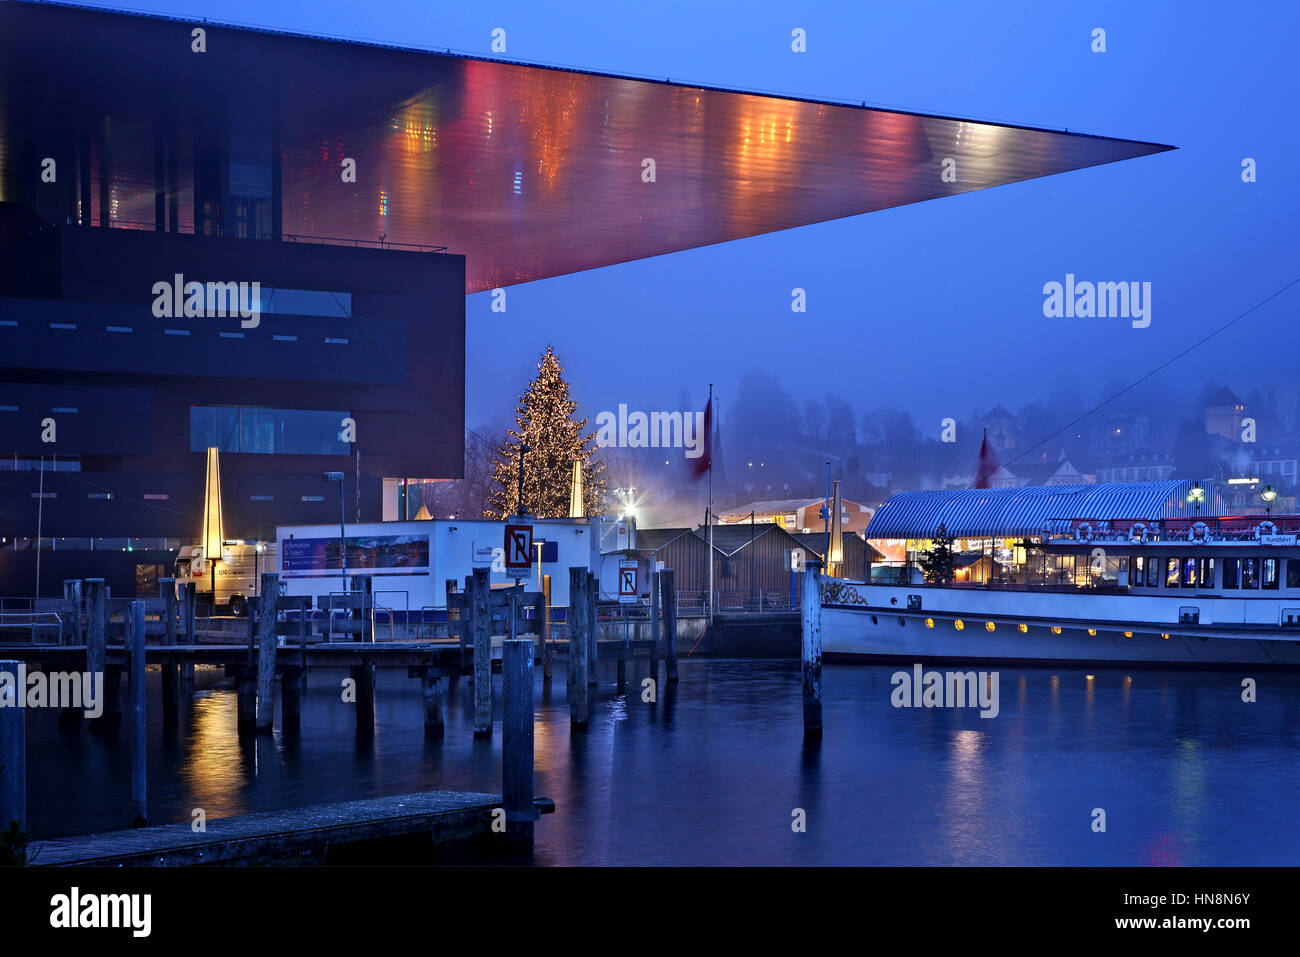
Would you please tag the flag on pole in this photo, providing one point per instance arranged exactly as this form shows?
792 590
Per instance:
705 462
988 463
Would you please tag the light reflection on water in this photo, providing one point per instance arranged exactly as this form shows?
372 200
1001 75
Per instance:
712 772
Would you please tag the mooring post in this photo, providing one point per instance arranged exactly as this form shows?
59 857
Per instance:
96 630
668 590
544 626
139 725
171 678
467 624
453 612
189 603
13 747
364 587
266 641
481 596
812 652
71 631
654 625
432 688
593 629
517 739
363 678
577 627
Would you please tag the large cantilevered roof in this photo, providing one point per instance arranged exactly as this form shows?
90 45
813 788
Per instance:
1031 510
528 171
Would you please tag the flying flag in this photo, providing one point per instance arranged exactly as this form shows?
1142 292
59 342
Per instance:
988 463
705 462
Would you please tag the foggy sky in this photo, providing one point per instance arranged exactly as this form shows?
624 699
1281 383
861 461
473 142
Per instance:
937 307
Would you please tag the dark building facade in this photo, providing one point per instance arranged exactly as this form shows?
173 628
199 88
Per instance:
140 150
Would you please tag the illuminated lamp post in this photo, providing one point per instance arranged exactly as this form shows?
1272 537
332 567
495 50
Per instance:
1196 496
1269 495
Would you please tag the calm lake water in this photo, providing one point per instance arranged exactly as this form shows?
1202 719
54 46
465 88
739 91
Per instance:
1186 772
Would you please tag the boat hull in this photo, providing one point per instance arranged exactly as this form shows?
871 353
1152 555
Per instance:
897 635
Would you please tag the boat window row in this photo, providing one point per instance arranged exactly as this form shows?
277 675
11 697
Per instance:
1237 573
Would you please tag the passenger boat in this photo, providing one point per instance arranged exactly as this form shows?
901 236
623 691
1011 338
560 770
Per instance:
1178 589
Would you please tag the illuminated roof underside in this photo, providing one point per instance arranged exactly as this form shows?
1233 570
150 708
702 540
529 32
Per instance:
528 171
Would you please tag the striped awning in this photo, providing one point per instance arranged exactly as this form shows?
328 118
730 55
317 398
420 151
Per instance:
978 512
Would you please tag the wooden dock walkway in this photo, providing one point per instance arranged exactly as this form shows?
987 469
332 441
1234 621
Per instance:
281 836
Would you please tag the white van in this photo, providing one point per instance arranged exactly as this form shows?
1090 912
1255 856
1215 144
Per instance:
237 573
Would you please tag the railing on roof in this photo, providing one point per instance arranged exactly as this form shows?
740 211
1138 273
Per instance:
1220 528
240 233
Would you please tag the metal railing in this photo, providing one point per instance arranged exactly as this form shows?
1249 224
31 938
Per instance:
32 624
238 233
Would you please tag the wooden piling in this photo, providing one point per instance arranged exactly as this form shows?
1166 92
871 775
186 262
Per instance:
171 678
13 750
466 612
266 643
364 587
480 598
189 608
668 591
71 632
453 608
654 625
517 739
811 652
96 625
577 689
593 632
363 677
139 724
544 626
432 688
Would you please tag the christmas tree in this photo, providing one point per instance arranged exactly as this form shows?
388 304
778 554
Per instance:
554 439
937 563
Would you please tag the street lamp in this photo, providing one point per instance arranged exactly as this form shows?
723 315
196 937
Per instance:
343 541
1269 495
258 549
1196 496
523 450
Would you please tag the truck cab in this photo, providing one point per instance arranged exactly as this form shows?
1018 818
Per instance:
233 581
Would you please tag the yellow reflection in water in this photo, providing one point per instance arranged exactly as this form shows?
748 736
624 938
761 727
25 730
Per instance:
214 767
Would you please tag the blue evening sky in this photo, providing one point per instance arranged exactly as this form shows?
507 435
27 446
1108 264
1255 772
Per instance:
937 307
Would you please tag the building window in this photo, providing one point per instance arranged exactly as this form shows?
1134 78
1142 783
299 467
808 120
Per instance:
252 429
1250 573
1232 573
1271 573
1205 572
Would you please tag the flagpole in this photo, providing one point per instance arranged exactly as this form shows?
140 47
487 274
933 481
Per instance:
708 514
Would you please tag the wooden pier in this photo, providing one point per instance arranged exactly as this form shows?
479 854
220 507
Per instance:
482 627
294 835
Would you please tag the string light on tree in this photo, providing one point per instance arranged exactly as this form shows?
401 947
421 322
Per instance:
545 425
